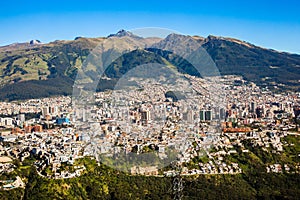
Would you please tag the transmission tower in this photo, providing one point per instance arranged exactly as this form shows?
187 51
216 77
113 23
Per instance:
177 184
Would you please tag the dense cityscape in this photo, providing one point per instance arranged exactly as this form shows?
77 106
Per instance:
153 120
149 100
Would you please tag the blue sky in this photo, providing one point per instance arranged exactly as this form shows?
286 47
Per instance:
272 24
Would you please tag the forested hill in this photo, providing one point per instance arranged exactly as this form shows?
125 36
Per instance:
32 70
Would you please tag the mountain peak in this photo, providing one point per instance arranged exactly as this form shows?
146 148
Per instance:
176 36
35 42
123 33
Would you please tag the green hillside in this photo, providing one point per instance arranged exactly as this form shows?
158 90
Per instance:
31 71
101 182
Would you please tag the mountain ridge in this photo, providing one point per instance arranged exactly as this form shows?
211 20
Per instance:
23 65
123 33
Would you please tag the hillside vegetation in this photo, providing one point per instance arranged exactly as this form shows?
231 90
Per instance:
32 71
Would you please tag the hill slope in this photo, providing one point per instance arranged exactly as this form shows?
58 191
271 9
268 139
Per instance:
32 70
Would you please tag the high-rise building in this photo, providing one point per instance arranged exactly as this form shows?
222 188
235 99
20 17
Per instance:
208 115
45 111
145 116
21 117
190 116
7 121
53 110
202 115
50 110
253 107
222 113
205 115
83 114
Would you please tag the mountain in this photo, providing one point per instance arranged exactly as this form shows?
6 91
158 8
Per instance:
123 33
260 65
34 69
